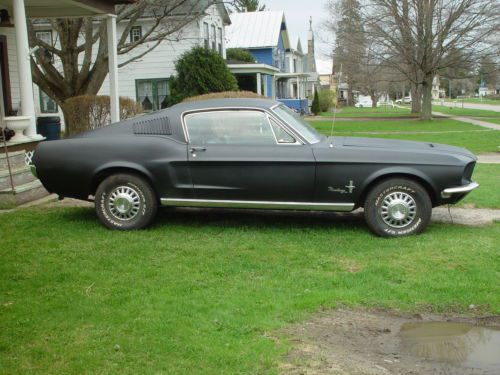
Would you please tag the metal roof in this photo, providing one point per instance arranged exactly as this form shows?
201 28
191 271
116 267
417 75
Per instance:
254 29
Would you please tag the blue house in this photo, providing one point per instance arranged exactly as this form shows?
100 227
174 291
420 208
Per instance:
278 71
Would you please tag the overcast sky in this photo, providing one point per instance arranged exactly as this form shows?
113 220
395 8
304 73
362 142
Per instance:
297 15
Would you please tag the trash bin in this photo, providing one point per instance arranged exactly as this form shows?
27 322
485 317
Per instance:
49 127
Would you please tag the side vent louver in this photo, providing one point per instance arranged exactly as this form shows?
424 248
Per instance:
156 126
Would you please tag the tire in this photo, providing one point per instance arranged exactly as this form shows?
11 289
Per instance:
397 207
125 202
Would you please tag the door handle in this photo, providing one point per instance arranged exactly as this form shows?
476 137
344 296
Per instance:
197 149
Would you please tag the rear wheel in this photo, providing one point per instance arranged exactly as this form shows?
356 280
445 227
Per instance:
125 202
397 207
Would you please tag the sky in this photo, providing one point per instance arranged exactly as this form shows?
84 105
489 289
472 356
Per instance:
297 13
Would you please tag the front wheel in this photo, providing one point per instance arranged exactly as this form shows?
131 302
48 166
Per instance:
125 202
397 207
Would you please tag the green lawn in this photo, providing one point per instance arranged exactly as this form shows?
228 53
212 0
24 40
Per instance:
475 138
456 111
348 112
481 101
201 293
488 193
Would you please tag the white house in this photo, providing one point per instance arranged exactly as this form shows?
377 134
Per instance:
17 91
144 80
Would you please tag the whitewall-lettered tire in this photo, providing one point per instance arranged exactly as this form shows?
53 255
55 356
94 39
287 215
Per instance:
125 202
397 207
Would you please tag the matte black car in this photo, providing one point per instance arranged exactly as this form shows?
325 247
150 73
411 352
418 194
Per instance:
251 153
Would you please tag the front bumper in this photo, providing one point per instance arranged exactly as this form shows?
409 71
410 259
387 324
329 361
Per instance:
449 192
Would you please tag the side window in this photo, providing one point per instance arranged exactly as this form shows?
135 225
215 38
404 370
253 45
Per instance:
281 135
229 127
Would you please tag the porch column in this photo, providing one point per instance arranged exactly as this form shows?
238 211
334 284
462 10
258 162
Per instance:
259 84
265 85
24 66
273 88
113 68
297 94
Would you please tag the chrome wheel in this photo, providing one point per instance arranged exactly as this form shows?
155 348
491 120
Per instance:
398 210
124 203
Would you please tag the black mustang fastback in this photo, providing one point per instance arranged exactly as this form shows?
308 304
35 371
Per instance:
251 153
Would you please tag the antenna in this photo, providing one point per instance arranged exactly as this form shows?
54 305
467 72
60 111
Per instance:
336 103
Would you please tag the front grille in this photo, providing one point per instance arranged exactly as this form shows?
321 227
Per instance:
156 126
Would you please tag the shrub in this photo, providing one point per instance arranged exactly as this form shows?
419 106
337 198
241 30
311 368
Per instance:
225 94
315 104
87 112
238 54
201 71
326 99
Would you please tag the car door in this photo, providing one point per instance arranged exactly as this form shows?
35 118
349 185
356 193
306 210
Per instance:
245 155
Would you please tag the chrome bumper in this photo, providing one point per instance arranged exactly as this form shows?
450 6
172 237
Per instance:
33 170
446 193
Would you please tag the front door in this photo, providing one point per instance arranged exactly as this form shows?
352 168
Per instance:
244 155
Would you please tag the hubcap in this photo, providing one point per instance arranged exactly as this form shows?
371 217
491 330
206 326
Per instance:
398 209
124 203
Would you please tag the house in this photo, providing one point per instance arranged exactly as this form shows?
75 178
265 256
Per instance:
282 70
17 91
17 104
146 79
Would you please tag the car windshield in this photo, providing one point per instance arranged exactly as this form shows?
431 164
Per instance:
298 123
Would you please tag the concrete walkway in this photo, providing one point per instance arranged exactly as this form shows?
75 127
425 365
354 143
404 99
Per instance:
470 120
459 104
489 158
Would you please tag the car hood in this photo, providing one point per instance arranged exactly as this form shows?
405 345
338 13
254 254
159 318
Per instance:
396 144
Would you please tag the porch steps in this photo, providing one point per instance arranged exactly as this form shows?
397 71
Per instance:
16 160
27 188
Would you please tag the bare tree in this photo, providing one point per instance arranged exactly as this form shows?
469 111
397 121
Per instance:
420 34
78 63
349 48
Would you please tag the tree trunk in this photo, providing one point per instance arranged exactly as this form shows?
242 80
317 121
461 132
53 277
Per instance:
350 96
374 98
68 125
416 98
427 98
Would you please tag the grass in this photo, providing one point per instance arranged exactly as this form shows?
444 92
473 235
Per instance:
353 112
488 194
457 111
201 293
480 101
475 138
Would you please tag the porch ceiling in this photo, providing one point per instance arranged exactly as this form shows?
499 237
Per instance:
66 8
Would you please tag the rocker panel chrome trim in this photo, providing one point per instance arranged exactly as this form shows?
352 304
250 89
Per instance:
307 206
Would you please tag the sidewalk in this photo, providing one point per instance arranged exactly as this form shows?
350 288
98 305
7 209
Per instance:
470 120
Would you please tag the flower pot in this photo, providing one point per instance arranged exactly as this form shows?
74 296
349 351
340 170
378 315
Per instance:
19 124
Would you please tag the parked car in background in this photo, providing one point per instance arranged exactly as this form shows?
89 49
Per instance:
405 100
251 153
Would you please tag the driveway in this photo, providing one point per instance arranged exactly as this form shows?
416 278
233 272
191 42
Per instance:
459 104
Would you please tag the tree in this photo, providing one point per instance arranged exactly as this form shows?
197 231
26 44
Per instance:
78 64
315 109
417 36
239 54
349 45
240 6
201 71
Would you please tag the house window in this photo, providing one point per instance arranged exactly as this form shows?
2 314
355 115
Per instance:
135 34
206 35
219 40
152 94
46 37
214 39
47 104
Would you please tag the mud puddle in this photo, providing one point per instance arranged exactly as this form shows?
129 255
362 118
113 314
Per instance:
359 342
460 343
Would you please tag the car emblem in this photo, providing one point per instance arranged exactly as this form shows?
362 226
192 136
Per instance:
349 189
351 186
